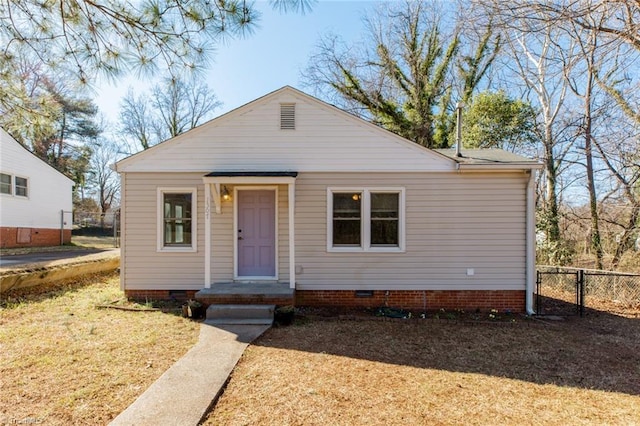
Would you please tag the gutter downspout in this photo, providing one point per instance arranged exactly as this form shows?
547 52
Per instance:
530 245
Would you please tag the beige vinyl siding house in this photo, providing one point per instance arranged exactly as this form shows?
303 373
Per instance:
288 189
453 223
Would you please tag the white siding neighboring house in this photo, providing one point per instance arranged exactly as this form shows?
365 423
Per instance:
33 196
288 189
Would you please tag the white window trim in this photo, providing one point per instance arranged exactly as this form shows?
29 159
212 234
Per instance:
11 186
160 219
15 186
365 223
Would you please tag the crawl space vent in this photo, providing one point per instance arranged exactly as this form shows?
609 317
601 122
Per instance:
287 116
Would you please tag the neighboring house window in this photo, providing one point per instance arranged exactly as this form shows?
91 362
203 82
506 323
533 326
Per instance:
177 219
365 219
5 184
22 187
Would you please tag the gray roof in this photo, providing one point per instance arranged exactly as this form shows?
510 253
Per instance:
486 156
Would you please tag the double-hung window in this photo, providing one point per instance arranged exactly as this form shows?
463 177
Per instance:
5 184
365 219
177 219
14 185
22 187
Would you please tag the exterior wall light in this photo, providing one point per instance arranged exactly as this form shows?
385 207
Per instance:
226 196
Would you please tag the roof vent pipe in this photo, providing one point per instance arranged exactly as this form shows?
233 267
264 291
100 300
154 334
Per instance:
459 107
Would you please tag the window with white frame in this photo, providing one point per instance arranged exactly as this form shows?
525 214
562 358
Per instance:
22 189
5 184
177 219
365 219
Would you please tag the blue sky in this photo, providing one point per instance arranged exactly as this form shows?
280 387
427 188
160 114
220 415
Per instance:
272 57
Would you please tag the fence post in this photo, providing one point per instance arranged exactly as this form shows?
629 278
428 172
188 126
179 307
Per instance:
580 290
116 226
538 297
62 227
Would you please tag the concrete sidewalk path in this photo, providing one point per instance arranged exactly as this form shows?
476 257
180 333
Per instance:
185 392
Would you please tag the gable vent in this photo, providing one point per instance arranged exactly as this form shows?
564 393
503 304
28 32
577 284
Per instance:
287 116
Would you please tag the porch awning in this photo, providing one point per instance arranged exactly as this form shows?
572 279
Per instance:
252 174
217 178
248 177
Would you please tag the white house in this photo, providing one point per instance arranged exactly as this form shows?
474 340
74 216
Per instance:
35 198
292 193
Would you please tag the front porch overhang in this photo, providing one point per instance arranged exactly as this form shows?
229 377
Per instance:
215 179
212 182
234 174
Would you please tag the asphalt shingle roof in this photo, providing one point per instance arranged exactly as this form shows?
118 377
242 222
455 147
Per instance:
486 156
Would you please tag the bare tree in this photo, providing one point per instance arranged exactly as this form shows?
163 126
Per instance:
607 45
102 179
620 18
404 76
580 71
617 22
538 63
173 107
619 148
134 119
614 22
182 105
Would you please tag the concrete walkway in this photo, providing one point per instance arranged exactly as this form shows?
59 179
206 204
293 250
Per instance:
186 391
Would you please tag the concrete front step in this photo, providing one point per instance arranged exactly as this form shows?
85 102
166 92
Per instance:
237 293
240 314
239 321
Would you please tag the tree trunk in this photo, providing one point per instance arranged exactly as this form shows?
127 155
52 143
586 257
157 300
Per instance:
551 197
595 240
626 240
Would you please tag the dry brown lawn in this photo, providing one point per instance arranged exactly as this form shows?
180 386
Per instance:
63 362
580 371
90 241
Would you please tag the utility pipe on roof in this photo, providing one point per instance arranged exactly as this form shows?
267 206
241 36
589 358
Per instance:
459 107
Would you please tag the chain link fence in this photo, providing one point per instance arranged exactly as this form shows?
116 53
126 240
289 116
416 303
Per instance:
95 224
564 291
556 292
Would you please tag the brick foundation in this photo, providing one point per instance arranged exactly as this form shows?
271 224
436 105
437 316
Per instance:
32 237
469 300
144 295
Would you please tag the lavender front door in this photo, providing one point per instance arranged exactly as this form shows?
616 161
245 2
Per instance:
256 234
